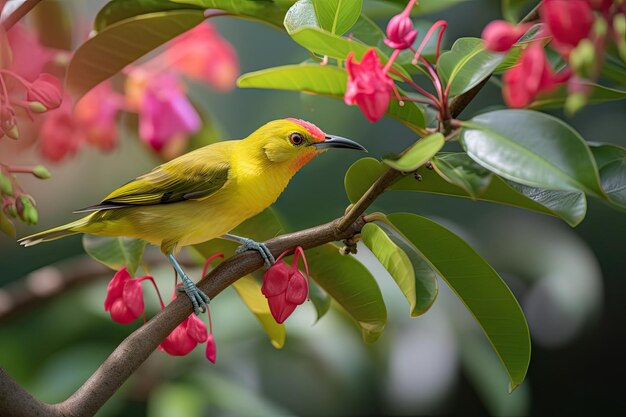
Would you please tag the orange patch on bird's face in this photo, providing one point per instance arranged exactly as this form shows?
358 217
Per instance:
302 160
315 132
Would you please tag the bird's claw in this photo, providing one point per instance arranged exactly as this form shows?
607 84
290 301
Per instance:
199 299
249 244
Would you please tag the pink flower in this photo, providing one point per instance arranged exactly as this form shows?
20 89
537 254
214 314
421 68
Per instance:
185 337
46 89
60 135
369 87
96 113
203 54
29 57
567 21
124 298
500 36
400 32
285 287
529 77
165 113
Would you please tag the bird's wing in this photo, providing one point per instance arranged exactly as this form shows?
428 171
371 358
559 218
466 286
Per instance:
187 178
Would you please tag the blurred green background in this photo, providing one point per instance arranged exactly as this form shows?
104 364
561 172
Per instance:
570 282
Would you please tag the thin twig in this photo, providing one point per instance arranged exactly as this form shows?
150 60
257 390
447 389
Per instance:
19 12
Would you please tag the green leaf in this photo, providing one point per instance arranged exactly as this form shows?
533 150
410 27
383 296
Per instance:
570 206
272 12
53 24
122 43
425 6
533 149
324 43
337 16
418 154
460 170
320 299
557 98
325 80
118 10
352 286
478 286
115 252
414 277
466 65
301 14
250 292
611 161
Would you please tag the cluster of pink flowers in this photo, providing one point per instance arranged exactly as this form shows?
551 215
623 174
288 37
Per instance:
579 31
370 86
154 90
285 288
125 303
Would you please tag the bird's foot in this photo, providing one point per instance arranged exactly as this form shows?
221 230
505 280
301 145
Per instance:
249 244
199 299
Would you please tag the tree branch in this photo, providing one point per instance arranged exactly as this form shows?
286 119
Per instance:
18 12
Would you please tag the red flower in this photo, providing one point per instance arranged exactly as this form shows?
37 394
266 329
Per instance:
400 32
125 297
203 54
529 77
46 89
567 21
500 36
60 135
369 87
285 287
185 337
96 113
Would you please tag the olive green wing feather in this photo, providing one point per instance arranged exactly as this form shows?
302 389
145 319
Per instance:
178 180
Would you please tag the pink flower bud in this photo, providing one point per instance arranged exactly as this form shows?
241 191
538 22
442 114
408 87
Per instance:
567 21
400 32
285 287
46 89
211 348
185 337
369 87
500 36
124 298
529 77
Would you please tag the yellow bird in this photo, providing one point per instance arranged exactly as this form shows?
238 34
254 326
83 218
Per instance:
205 193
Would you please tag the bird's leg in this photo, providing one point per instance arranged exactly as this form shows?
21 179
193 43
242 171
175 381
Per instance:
249 244
199 299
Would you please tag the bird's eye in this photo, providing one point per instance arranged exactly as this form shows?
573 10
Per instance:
296 139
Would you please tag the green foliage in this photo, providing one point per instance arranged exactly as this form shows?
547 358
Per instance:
271 12
337 16
569 206
414 277
611 162
109 51
320 299
558 97
324 80
533 149
418 154
478 286
352 286
466 65
115 252
118 10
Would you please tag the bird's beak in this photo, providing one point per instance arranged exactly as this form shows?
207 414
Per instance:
332 141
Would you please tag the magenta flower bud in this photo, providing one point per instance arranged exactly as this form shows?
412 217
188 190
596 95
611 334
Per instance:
400 32
567 21
46 89
124 299
285 287
500 36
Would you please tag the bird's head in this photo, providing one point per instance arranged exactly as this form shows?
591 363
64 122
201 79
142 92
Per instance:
295 142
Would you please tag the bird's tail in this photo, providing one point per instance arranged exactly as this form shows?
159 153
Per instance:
56 233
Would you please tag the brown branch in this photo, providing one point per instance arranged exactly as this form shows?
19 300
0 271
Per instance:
19 12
